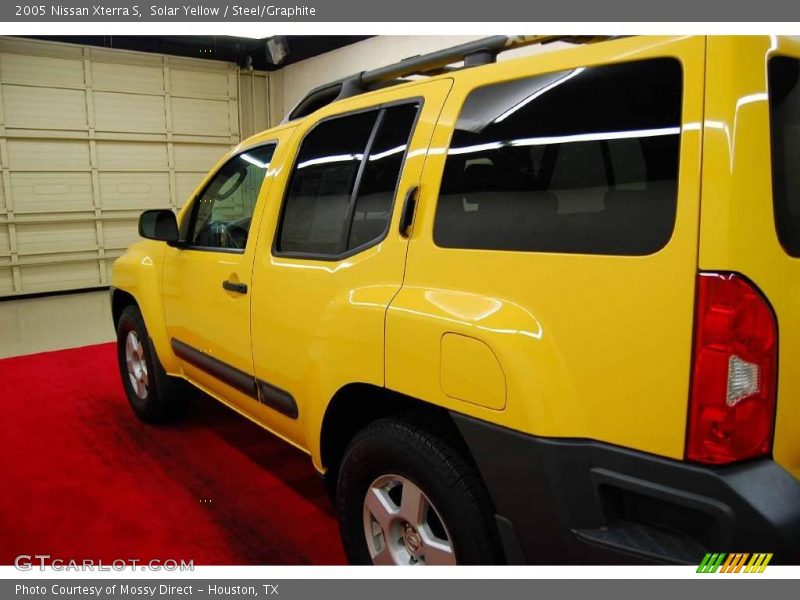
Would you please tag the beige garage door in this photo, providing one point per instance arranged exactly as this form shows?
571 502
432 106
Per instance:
89 138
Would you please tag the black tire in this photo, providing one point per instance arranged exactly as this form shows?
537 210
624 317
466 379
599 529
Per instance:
164 394
401 447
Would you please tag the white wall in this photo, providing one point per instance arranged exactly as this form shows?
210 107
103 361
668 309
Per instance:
301 77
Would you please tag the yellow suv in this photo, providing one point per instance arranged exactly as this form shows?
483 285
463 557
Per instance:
542 310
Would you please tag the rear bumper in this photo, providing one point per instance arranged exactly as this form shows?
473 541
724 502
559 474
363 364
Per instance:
564 501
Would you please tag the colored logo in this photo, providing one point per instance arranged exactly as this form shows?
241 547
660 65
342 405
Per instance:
737 562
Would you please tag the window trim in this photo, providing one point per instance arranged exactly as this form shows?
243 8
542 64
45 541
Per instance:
184 244
677 59
420 101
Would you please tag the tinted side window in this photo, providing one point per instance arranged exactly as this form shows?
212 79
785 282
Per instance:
581 161
376 189
341 191
322 183
221 215
784 102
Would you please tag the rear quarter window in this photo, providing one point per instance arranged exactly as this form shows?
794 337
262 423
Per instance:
580 161
784 103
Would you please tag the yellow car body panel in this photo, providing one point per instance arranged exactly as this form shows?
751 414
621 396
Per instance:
139 272
615 370
737 230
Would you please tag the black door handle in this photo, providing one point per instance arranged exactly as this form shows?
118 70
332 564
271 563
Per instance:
407 215
232 286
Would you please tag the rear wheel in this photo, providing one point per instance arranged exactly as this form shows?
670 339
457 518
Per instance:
153 395
406 497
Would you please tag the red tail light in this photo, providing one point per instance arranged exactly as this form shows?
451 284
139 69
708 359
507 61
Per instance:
732 406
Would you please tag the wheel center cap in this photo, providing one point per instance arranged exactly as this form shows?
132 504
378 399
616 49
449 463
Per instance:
413 542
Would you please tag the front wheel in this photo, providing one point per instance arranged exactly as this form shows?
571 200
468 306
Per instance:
153 395
406 497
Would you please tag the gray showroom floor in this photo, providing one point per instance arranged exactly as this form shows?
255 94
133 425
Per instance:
54 322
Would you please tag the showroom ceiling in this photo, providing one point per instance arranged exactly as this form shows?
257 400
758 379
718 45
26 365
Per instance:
246 52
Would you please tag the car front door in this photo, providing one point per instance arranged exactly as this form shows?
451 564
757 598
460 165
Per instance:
206 281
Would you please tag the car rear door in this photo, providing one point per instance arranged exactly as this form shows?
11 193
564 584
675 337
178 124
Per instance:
331 254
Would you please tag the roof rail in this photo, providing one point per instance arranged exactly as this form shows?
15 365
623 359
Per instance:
478 52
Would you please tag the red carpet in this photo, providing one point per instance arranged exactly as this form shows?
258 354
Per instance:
83 478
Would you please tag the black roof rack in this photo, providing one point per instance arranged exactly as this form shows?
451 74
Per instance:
478 52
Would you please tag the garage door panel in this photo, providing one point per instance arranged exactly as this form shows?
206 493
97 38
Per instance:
260 118
134 190
51 154
107 266
233 117
185 184
5 242
2 195
131 155
65 276
246 83
55 237
199 83
129 78
128 112
197 157
44 108
42 70
51 192
119 234
6 281
196 116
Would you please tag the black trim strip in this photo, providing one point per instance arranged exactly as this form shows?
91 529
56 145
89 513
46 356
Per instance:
261 391
224 372
351 204
276 398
